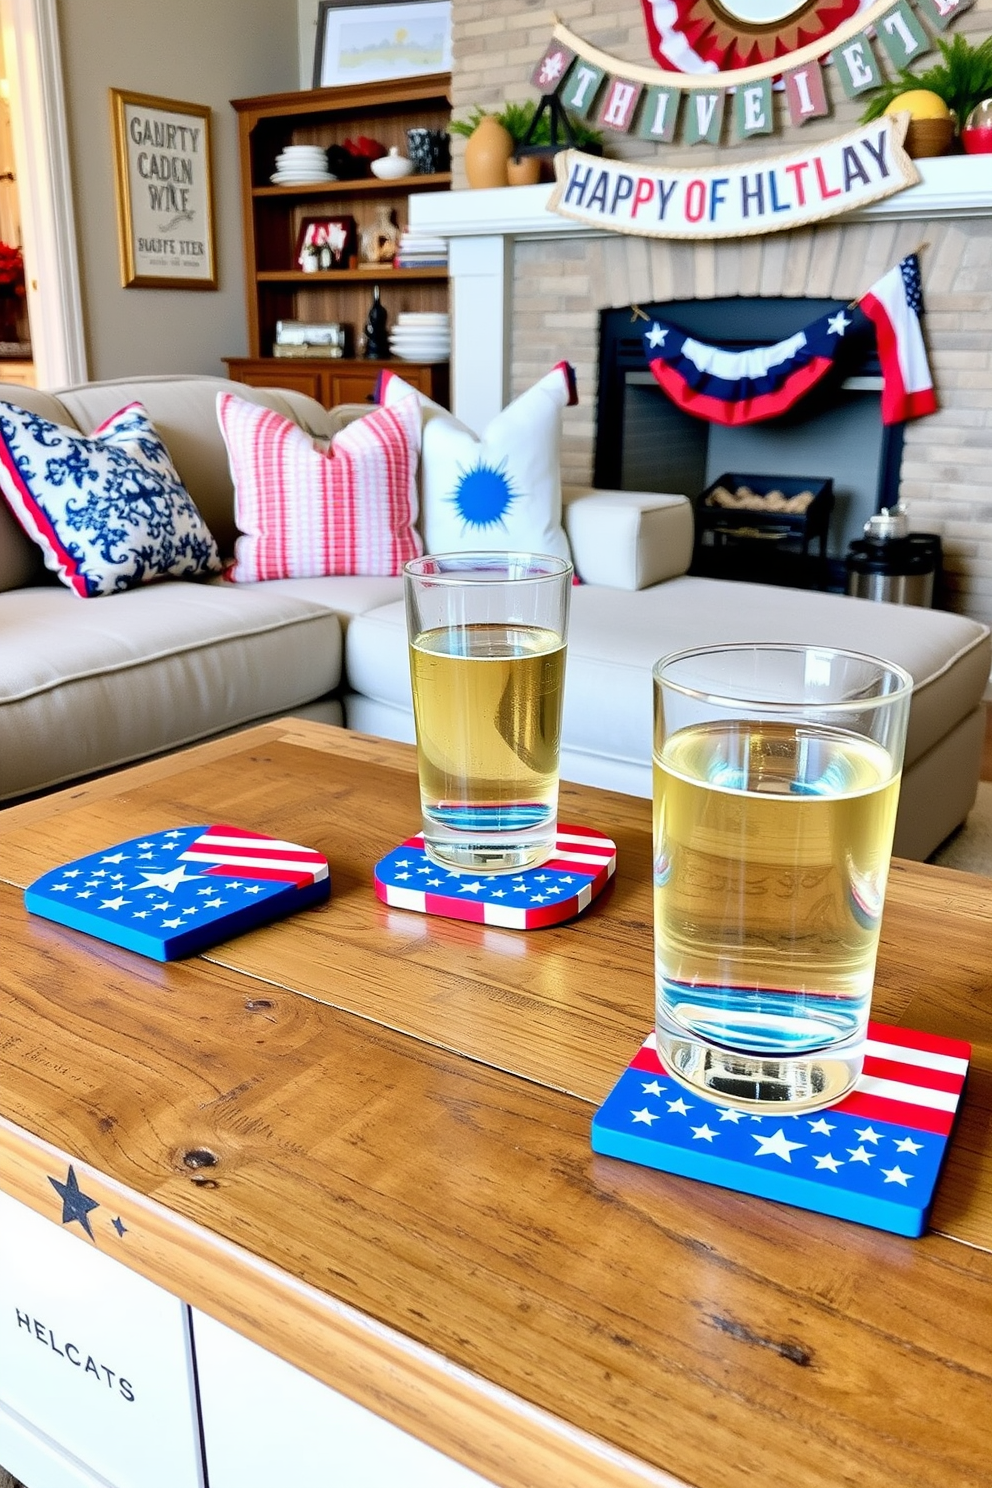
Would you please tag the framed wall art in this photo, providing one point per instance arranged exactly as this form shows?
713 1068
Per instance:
165 212
373 42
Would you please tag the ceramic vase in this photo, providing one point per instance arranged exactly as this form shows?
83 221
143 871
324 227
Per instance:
488 149
523 170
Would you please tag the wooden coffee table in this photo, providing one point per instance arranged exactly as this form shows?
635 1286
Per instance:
360 1138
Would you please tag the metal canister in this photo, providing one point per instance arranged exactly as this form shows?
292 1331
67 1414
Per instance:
900 569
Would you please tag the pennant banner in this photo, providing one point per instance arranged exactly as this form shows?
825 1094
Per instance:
733 201
647 102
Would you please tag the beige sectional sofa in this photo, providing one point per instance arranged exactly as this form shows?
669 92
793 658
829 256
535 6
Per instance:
86 685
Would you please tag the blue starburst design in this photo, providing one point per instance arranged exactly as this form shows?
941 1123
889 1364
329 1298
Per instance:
483 495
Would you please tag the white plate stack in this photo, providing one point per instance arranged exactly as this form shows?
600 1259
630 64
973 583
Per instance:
298 165
419 336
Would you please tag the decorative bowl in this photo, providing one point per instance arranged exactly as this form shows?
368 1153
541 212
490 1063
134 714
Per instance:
926 137
392 167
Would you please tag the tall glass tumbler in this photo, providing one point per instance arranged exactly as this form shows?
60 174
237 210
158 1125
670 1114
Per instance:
776 782
487 634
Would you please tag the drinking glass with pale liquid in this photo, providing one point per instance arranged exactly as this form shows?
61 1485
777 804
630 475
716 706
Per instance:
776 782
487 634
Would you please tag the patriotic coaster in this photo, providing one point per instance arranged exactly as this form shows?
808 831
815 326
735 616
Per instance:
874 1157
583 864
169 894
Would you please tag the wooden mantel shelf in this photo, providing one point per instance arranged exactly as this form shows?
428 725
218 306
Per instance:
360 1138
951 186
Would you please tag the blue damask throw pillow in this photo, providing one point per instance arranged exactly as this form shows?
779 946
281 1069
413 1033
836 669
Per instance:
110 511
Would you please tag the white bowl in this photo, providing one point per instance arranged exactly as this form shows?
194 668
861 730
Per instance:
392 167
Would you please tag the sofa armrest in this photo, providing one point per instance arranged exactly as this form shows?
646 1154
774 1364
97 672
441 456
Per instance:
628 539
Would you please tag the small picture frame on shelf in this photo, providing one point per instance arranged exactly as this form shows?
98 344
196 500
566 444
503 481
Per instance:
381 39
325 243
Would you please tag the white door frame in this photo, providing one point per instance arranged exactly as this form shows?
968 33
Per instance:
44 185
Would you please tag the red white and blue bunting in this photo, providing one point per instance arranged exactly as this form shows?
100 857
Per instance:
762 382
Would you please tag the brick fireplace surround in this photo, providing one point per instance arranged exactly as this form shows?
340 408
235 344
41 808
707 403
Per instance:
528 284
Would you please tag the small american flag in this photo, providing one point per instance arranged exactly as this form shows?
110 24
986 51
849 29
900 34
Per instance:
874 1157
559 889
169 894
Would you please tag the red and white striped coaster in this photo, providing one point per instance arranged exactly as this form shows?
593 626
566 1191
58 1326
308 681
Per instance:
584 862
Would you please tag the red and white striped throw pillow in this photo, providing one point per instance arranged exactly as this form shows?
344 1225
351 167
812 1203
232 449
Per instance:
304 512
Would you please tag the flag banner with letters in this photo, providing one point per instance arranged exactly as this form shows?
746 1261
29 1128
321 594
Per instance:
736 200
709 58
874 1157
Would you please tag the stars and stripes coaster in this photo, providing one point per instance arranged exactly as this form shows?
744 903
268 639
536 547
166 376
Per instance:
874 1157
583 864
169 894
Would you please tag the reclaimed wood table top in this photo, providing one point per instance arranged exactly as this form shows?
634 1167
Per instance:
360 1137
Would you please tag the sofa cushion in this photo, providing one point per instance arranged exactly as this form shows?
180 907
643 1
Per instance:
615 637
304 511
184 411
502 490
88 687
628 539
346 595
109 512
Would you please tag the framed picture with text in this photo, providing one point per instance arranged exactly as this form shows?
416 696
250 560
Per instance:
165 213
382 39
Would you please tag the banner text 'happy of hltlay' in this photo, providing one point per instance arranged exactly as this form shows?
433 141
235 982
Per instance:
733 201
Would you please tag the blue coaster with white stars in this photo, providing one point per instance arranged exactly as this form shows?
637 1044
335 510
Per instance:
584 861
170 894
874 1157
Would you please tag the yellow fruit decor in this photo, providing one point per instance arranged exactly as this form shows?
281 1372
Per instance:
919 103
931 123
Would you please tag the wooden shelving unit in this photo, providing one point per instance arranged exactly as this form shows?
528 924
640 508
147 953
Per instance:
276 288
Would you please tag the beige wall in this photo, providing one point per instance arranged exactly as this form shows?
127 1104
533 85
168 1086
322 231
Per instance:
198 51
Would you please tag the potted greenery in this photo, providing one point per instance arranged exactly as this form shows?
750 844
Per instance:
516 120
940 98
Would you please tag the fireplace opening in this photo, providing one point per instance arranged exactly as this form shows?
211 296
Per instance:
645 442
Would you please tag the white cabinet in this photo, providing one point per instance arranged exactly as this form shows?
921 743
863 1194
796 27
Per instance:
265 1422
94 1359
107 1381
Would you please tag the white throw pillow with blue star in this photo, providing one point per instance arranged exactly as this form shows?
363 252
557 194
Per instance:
500 491
110 511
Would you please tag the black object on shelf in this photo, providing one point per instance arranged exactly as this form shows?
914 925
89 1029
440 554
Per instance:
376 339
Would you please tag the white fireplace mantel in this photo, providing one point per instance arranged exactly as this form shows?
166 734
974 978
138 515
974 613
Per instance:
481 227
